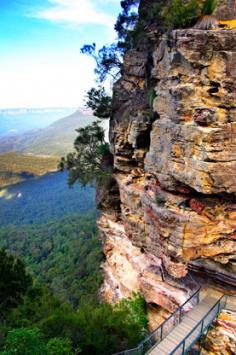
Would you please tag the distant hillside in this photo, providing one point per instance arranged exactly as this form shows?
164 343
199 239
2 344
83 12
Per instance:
18 121
56 139
15 167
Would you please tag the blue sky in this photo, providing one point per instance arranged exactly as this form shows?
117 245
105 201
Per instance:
40 61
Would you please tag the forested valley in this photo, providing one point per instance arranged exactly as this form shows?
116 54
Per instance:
52 306
50 267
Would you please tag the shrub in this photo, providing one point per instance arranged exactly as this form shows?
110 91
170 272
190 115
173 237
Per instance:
151 96
59 346
25 341
101 329
180 14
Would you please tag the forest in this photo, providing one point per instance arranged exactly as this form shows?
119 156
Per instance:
40 200
52 306
64 254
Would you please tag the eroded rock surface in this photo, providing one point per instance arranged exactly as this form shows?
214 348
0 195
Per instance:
175 168
221 338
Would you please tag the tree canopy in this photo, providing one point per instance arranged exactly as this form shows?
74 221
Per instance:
100 102
85 164
14 282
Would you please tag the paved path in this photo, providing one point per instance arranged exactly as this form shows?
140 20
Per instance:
190 320
231 304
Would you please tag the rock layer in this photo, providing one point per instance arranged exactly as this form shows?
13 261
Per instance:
175 164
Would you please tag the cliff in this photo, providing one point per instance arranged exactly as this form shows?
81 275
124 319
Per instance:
173 137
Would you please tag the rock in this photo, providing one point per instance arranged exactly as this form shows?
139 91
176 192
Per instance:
174 169
130 269
221 339
193 142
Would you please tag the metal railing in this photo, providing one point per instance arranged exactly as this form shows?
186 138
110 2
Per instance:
165 328
225 302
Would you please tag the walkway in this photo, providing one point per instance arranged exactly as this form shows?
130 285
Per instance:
192 326
178 333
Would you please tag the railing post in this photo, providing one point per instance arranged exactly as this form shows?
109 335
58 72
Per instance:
183 347
226 300
202 326
141 350
218 308
198 297
161 332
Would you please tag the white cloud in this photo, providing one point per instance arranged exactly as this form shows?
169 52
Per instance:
76 12
45 80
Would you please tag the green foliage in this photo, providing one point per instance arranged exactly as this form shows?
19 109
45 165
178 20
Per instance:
64 254
94 328
136 309
43 200
160 201
209 7
107 58
85 164
14 282
100 102
207 21
151 96
30 341
59 346
24 341
127 26
37 304
180 14
101 329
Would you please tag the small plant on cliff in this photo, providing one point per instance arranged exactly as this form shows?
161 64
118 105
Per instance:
91 160
151 97
180 14
160 201
207 20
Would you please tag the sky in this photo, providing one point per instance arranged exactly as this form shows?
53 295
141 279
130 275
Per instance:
40 41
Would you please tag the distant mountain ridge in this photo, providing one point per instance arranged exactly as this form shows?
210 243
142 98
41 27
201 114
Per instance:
21 120
56 139
20 110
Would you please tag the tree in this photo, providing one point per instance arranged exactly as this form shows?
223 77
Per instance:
101 329
125 24
14 282
88 163
108 60
25 341
100 102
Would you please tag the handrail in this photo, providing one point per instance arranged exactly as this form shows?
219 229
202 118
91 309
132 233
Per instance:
140 348
201 323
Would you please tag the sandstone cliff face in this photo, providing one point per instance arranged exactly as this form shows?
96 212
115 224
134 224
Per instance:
221 338
175 165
